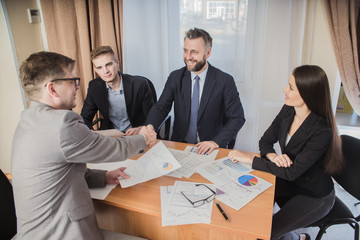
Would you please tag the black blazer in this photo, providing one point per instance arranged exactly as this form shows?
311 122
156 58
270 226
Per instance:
220 116
138 99
306 149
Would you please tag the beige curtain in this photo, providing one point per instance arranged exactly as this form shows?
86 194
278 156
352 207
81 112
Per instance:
75 27
343 19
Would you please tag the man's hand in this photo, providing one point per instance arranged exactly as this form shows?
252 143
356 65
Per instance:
150 135
133 131
206 147
111 177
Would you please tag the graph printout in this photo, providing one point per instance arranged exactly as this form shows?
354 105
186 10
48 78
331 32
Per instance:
242 190
222 171
193 149
177 210
189 161
156 162
235 186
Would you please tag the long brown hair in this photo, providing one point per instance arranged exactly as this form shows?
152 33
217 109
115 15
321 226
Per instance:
313 86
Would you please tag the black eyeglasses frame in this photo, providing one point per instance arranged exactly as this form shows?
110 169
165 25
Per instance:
201 202
76 80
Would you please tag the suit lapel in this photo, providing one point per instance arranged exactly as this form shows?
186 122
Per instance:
301 133
104 96
127 91
284 130
208 88
186 93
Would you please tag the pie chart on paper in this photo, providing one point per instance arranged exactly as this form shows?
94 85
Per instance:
167 166
248 180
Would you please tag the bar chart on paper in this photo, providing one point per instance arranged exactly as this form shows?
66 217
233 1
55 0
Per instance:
235 166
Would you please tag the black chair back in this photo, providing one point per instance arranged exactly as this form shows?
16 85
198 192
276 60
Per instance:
167 122
152 88
349 178
7 209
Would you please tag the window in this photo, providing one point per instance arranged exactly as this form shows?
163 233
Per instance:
226 23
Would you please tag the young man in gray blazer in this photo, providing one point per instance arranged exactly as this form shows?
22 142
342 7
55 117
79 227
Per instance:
51 147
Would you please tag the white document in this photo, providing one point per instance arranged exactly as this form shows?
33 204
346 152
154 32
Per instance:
222 171
189 161
182 157
101 193
165 194
156 162
242 190
193 149
235 186
178 210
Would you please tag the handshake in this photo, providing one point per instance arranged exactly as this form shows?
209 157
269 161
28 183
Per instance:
147 131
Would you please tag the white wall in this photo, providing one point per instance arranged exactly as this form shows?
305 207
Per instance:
11 103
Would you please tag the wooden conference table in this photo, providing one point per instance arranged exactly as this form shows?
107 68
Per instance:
137 211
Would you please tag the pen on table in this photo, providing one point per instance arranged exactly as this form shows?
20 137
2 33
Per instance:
222 211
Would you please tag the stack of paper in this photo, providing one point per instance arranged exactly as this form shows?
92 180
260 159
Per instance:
235 186
177 210
156 162
189 160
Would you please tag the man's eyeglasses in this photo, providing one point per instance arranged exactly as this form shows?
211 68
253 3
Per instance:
201 202
75 80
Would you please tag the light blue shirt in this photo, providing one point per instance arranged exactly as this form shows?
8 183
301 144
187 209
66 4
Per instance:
117 108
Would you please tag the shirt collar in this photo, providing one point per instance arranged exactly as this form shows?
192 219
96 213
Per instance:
202 75
121 85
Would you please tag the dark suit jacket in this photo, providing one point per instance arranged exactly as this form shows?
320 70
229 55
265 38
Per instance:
220 115
95 178
306 149
138 98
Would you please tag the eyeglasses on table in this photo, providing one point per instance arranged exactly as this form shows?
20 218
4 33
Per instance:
201 202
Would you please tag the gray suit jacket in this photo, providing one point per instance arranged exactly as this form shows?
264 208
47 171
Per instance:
49 154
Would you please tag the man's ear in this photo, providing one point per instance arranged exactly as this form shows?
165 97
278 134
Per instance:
208 53
51 89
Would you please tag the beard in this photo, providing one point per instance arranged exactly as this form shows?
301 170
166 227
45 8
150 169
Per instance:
198 65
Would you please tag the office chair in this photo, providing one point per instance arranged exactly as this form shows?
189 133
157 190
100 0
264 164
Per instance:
7 209
166 123
349 180
232 143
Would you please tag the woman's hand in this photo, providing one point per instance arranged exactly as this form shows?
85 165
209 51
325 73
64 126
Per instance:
281 160
239 156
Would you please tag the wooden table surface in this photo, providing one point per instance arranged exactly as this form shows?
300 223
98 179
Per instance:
136 211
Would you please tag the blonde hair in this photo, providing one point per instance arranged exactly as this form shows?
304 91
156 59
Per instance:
102 50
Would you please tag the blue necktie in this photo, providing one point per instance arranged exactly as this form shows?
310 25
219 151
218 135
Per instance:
192 132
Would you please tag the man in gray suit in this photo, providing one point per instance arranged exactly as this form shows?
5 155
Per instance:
51 147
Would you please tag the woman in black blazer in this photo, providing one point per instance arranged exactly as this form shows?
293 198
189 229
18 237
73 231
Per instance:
311 151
